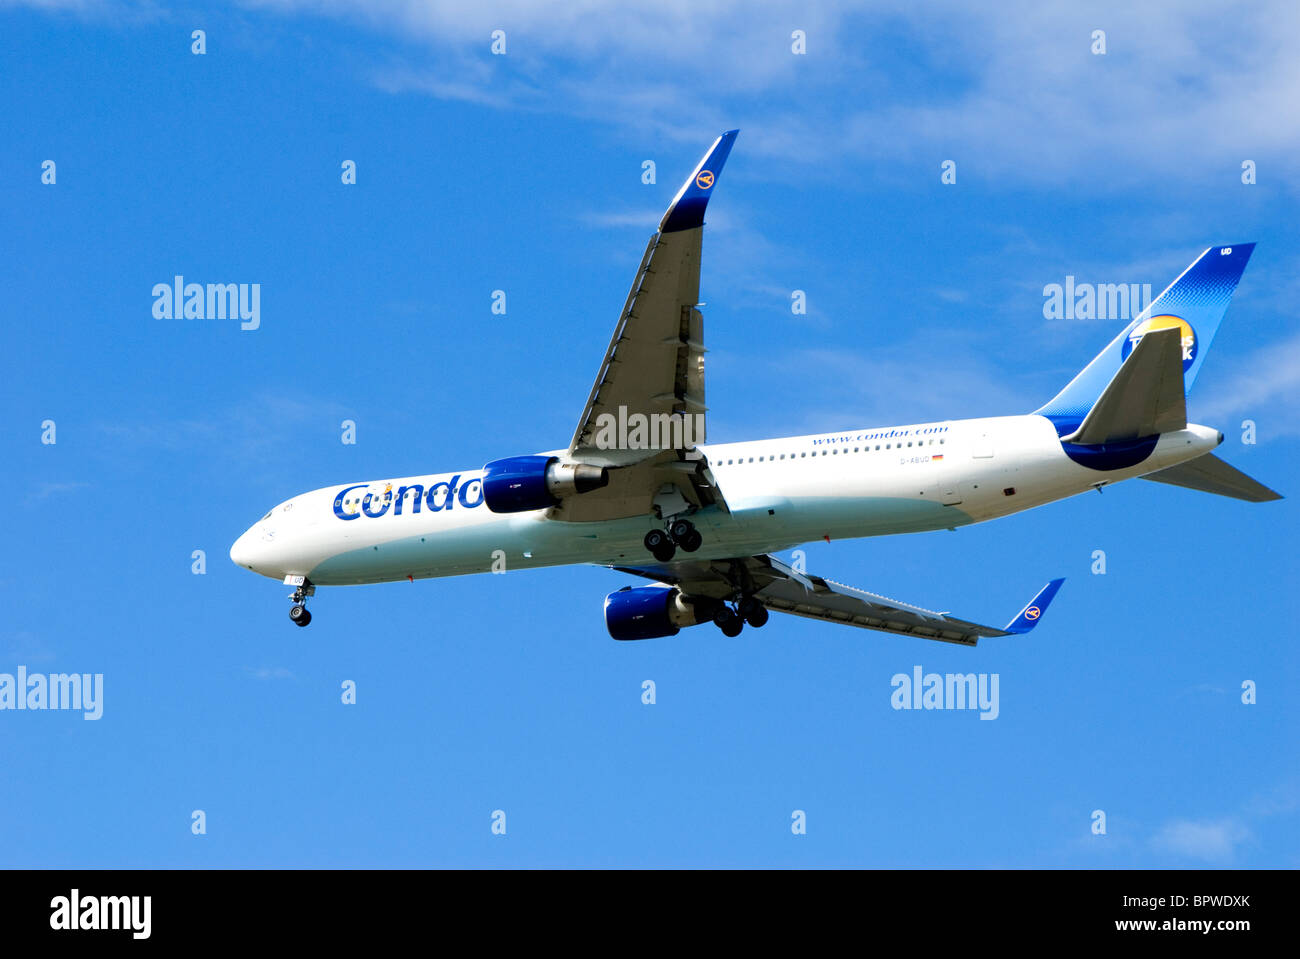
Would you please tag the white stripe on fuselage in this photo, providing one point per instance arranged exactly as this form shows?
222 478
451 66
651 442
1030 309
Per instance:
781 492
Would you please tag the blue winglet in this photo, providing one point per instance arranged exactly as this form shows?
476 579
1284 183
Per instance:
1031 614
686 212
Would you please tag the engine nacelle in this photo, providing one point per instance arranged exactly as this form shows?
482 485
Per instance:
522 483
648 612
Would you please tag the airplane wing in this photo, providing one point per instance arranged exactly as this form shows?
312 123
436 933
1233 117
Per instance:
652 376
783 589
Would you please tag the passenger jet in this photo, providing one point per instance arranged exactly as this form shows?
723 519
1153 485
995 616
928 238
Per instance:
639 490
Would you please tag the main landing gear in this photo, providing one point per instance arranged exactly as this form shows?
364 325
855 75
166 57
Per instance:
663 543
732 621
298 613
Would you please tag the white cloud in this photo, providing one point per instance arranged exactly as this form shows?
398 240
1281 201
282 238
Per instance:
120 12
27 648
44 491
1186 89
1264 387
265 673
1282 800
1211 840
889 385
646 220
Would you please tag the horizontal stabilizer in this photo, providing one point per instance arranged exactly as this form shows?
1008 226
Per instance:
1145 398
1210 474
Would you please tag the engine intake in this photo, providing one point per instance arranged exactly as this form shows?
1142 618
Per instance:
648 612
522 483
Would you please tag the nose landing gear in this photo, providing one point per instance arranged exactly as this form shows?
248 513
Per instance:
298 613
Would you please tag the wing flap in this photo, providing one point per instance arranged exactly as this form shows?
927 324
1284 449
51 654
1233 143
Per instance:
837 603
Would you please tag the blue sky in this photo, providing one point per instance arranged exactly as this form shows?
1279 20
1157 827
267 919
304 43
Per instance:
523 173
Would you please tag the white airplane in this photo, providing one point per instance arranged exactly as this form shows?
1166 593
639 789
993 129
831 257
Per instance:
638 490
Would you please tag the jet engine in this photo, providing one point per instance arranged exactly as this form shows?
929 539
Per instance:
647 612
522 483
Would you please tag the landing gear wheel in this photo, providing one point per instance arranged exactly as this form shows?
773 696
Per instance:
692 542
680 530
658 543
298 614
727 621
755 614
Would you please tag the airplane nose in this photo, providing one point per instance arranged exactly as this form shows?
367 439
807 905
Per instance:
242 551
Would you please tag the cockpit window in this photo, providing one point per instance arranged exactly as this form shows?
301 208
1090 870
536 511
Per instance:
267 516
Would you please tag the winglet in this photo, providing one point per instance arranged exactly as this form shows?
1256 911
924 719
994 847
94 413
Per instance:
687 209
1031 614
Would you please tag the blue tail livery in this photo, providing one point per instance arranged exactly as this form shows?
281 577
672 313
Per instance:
1194 304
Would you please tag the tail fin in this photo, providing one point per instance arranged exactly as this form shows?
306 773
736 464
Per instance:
1145 398
1194 304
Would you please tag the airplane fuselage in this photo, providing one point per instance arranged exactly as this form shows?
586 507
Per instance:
780 493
